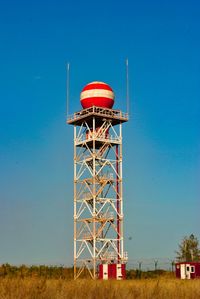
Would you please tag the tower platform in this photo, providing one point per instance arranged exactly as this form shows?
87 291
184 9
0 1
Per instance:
100 114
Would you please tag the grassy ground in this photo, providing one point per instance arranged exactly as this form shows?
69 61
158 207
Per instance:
34 288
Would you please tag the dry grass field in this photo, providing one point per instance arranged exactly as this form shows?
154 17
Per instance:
35 288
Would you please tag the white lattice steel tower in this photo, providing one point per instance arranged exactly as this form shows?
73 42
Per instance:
98 190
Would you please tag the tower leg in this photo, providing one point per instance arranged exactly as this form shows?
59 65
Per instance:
118 205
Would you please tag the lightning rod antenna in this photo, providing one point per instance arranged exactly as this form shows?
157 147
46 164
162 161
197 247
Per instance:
127 88
67 99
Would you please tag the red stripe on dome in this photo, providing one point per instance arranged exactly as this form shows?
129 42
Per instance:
97 101
97 86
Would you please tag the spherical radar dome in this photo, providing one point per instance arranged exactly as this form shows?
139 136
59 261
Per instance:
97 94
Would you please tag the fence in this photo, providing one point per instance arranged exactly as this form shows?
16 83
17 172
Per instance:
151 264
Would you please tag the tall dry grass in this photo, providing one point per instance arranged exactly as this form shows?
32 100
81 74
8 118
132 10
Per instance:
35 288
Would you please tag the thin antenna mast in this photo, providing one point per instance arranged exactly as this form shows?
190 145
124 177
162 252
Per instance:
67 99
127 88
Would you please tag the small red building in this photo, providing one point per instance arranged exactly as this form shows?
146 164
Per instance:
188 270
112 271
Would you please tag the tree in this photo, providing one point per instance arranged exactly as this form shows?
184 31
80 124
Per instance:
188 249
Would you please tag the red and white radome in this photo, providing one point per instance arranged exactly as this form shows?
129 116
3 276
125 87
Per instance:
97 94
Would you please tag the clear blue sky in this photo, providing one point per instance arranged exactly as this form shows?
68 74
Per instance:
161 141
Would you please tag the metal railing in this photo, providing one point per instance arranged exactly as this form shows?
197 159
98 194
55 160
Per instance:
98 111
108 138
